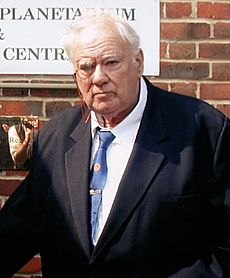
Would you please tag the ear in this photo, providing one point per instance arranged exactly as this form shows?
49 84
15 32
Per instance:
139 62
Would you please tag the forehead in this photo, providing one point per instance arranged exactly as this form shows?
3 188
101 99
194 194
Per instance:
99 40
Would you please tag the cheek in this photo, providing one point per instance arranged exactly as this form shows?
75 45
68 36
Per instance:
82 85
84 89
88 99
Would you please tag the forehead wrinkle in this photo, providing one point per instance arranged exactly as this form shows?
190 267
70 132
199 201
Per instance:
95 40
101 50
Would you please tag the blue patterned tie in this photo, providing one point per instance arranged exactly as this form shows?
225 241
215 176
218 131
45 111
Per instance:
98 177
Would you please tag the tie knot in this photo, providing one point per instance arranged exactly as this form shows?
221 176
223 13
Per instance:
105 138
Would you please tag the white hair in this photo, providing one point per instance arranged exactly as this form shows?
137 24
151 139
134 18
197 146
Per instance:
128 34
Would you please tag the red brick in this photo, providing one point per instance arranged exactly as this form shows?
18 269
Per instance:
163 86
178 10
185 88
161 10
163 49
182 51
214 50
222 30
215 91
33 266
185 31
54 107
225 108
12 108
221 71
55 93
213 10
185 71
7 187
15 92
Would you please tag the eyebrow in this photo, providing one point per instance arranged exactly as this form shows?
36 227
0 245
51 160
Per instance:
102 56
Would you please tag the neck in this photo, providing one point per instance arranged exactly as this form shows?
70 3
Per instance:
108 123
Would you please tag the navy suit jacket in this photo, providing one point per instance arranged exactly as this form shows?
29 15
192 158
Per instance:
171 214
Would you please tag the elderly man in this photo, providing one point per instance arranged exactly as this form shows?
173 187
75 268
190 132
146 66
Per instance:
134 183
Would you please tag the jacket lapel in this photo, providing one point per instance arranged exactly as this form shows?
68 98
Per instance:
145 161
77 161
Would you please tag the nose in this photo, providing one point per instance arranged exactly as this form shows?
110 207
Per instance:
99 75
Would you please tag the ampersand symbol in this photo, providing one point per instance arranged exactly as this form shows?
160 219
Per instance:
2 37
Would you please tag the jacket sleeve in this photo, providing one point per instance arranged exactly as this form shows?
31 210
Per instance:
216 262
21 221
18 231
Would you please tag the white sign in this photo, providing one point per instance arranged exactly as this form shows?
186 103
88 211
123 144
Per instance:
31 32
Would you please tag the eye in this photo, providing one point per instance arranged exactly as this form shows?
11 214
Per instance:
87 67
112 62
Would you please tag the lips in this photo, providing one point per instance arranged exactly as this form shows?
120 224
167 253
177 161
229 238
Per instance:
99 92
102 94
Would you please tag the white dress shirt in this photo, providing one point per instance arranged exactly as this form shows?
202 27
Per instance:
118 154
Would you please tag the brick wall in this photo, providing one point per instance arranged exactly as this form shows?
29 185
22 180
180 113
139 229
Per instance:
195 60
195 50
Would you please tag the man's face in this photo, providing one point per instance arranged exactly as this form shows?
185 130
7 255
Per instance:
107 73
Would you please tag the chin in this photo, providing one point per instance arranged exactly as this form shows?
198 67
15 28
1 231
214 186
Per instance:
104 107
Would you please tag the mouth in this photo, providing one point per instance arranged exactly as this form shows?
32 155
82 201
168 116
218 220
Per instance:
99 93
102 94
